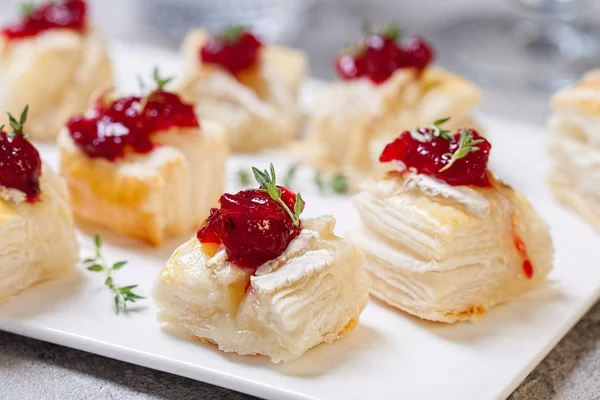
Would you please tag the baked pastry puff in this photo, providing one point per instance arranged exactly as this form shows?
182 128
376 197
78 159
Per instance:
54 61
250 88
36 227
575 147
258 280
444 239
386 87
148 163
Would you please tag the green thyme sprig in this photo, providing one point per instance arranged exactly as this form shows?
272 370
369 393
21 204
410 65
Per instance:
27 8
232 33
466 145
268 183
432 131
243 177
160 82
122 294
338 183
290 176
17 126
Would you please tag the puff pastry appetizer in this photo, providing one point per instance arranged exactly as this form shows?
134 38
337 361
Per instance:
54 61
36 226
147 163
575 147
251 88
257 279
444 239
386 87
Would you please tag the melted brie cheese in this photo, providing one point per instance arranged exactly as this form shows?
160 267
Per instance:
313 293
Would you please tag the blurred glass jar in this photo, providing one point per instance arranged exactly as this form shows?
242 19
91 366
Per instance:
273 20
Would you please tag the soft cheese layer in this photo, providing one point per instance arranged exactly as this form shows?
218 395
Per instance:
445 253
166 192
259 108
37 240
56 73
313 293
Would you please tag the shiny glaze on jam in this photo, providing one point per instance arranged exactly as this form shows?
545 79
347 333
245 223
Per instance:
69 14
235 50
379 55
251 227
126 125
20 165
431 156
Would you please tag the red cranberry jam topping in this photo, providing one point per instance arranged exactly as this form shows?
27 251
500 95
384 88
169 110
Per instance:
378 55
235 49
20 164
127 124
255 226
69 14
459 159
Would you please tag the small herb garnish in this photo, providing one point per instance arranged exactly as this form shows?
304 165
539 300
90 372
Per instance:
121 294
443 133
19 125
160 82
339 184
268 185
318 179
466 145
231 34
290 176
27 9
244 177
426 134
391 31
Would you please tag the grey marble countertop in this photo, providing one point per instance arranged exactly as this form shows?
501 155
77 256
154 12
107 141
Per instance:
30 369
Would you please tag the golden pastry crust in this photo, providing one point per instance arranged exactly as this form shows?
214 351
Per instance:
311 294
56 73
167 192
574 147
37 240
260 108
351 121
449 254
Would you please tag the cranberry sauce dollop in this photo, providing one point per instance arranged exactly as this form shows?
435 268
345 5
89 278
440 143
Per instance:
378 55
20 165
69 14
251 226
432 153
236 49
124 126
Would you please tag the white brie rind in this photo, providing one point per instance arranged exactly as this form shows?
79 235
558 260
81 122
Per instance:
313 293
259 108
575 147
351 121
447 253
56 73
166 192
37 240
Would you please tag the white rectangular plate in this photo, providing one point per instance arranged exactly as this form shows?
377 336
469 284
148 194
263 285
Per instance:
389 356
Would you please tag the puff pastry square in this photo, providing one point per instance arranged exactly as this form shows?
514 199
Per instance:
575 147
313 293
56 73
260 108
449 253
351 121
37 239
152 196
